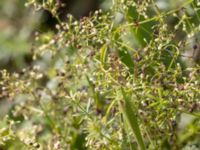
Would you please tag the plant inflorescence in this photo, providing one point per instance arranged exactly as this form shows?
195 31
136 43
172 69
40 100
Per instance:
121 78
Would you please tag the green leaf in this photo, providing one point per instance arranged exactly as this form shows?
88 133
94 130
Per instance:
96 95
126 58
140 31
129 113
103 55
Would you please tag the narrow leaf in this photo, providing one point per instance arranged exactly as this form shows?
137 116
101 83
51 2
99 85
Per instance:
96 95
103 54
129 113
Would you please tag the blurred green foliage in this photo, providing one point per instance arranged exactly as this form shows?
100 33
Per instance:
17 24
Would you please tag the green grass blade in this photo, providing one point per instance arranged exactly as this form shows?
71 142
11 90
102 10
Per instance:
129 113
